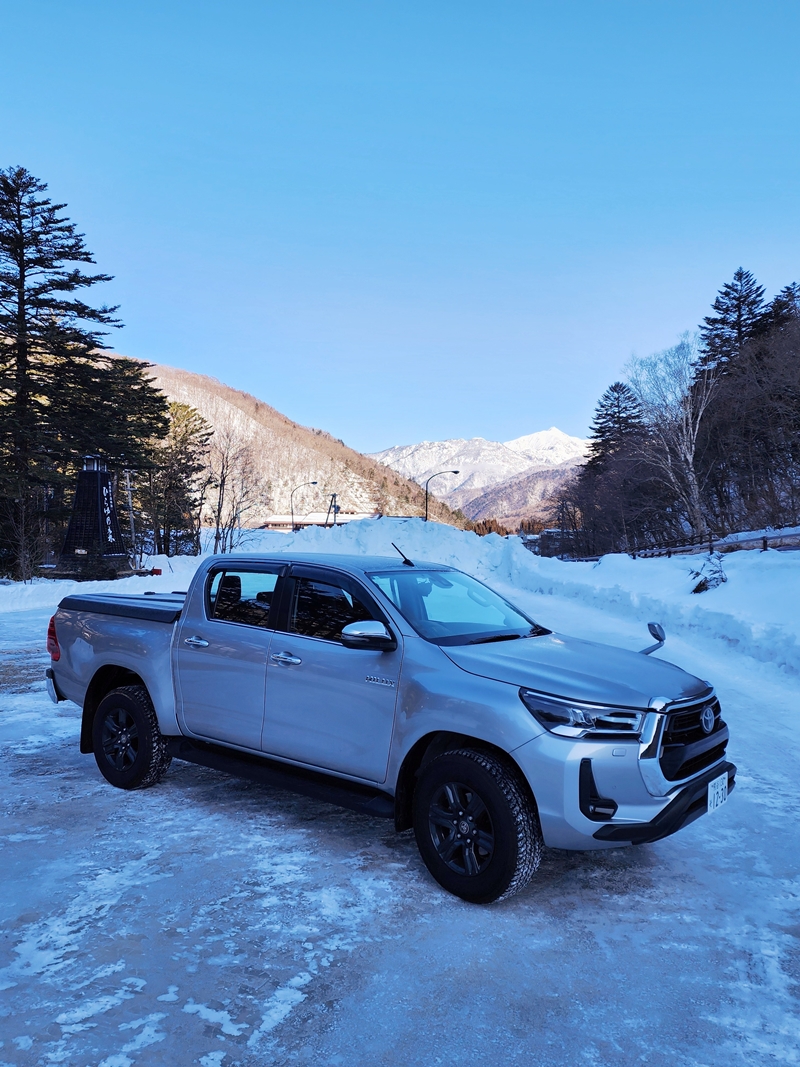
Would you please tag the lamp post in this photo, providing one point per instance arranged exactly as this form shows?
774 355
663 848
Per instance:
291 498
426 488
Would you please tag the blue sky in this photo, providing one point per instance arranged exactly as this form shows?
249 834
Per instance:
399 221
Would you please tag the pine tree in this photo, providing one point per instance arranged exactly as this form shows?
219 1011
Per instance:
617 422
61 394
781 310
171 487
739 307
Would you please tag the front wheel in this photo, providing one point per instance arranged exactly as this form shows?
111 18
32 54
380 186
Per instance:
128 747
476 827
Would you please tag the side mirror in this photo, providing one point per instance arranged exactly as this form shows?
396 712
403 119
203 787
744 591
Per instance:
657 631
370 635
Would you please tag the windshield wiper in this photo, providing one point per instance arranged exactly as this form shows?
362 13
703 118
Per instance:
535 631
495 637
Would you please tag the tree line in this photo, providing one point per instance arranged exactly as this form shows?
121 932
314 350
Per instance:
700 440
65 395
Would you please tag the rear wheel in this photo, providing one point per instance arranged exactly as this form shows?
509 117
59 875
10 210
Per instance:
128 747
476 826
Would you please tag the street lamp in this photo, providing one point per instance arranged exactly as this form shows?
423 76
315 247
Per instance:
426 488
291 498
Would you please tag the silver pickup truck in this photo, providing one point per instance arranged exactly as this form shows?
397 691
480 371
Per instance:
402 689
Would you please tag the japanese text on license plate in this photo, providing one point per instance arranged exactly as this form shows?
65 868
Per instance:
718 792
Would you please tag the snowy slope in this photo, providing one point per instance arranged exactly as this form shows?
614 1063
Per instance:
549 448
524 496
288 455
483 465
479 464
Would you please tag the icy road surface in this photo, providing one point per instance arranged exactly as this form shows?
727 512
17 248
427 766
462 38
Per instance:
210 921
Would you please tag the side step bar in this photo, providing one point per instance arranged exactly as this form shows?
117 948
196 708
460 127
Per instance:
283 776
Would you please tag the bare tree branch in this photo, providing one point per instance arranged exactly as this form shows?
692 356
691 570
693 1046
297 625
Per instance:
675 390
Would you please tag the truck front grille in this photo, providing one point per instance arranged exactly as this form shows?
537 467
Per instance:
686 747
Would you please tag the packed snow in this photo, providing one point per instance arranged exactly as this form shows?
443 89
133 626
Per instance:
213 921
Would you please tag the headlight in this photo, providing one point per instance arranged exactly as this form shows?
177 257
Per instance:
571 719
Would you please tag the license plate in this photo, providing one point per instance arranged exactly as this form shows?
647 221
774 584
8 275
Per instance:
718 792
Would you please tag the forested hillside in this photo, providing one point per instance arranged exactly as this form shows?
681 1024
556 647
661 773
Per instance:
276 455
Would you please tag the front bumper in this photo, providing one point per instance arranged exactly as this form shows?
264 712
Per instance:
689 804
597 794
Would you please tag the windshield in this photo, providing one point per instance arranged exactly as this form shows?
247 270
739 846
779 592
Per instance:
450 608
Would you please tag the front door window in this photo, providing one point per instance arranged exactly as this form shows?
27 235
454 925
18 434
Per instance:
322 609
329 706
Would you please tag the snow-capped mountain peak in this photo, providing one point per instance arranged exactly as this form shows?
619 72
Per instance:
481 464
549 448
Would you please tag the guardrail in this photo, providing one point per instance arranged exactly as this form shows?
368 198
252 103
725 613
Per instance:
782 540
775 539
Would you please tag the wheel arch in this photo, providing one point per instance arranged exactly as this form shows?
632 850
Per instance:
111 676
427 748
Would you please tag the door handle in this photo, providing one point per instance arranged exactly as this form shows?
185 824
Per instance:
285 657
195 642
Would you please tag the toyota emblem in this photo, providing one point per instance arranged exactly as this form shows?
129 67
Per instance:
707 719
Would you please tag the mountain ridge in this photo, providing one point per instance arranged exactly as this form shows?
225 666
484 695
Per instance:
287 454
492 474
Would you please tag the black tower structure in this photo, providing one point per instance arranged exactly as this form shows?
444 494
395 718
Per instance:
93 536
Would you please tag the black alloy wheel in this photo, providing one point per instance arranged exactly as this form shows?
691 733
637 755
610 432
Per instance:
476 825
120 739
461 828
128 747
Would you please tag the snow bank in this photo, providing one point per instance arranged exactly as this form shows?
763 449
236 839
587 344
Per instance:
754 611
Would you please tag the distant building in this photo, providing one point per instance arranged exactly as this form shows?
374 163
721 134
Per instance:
530 541
315 518
557 542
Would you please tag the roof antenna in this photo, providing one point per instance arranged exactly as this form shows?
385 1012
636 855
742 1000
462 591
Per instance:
406 560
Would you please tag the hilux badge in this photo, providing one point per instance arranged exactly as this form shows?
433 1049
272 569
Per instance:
707 720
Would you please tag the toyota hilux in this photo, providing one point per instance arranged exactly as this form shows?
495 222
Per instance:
402 689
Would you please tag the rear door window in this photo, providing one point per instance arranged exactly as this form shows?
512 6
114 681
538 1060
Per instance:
243 596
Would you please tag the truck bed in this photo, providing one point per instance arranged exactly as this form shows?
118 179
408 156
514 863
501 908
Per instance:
153 607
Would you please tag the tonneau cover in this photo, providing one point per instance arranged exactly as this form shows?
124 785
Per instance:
148 608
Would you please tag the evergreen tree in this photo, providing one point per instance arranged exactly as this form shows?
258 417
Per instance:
750 447
781 310
172 485
617 422
739 308
61 394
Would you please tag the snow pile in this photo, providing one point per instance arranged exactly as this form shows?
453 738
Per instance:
753 611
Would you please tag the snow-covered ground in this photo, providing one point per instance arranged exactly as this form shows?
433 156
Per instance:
216 922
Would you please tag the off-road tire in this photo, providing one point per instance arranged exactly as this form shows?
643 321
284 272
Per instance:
128 747
502 847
